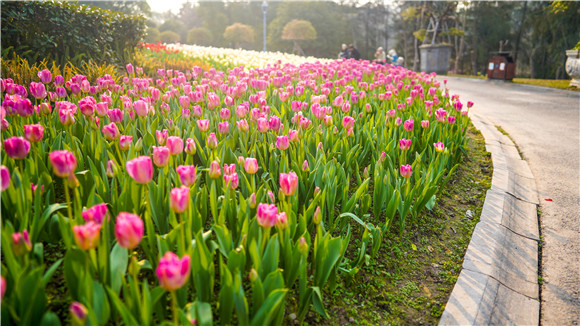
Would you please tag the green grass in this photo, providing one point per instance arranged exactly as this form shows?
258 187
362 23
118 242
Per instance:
414 273
552 83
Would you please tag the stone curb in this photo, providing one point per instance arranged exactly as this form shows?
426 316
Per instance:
499 281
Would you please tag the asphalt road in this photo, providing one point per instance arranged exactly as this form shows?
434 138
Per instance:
544 123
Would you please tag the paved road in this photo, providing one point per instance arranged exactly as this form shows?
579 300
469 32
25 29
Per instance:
544 124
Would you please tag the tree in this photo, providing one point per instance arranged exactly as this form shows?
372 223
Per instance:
169 37
153 35
239 33
200 36
298 30
131 7
174 25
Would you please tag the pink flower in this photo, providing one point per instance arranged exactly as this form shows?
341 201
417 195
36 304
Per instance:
440 114
405 144
424 124
38 90
203 125
282 142
229 101
79 313
281 221
21 243
125 142
274 123
179 199
33 133
161 136
141 108
184 102
140 169
347 122
111 131
251 165
266 215
130 69
88 105
87 235
63 162
439 146
288 183
409 125
232 180
17 147
96 213
406 171
451 120
263 124
129 230
175 145
4 178
469 104
45 76
223 127
173 272
243 125
398 121
161 156
190 146
116 115
225 114
2 287
187 174
212 141
229 169
111 169
293 135
305 167
214 170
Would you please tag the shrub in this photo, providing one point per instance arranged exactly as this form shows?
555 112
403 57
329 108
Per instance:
153 35
169 37
239 33
200 36
63 32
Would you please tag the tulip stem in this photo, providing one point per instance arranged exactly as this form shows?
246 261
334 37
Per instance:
175 308
68 202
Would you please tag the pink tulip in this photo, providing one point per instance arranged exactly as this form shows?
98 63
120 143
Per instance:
266 215
78 313
451 120
161 136
281 221
251 165
406 171
440 114
262 124
102 109
232 180
63 162
425 124
190 146
38 90
87 235
288 183
141 108
317 217
116 115
125 142
347 122
96 213
130 69
140 169
88 105
175 145
173 272
184 102
398 121
33 133
111 131
187 174
282 142
223 127
4 178
274 123
179 199
21 243
439 146
243 125
66 116
129 230
469 104
229 169
2 287
45 76
161 156
293 135
405 144
409 125
203 125
212 141
111 169
17 147
214 170
225 114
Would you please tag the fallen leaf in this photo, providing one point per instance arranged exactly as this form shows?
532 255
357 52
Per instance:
430 248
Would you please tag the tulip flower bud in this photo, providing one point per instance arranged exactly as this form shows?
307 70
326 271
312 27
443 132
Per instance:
87 235
266 215
253 276
138 145
317 217
111 169
2 287
212 141
72 181
383 157
190 146
179 199
303 246
316 191
288 183
78 313
281 221
214 170
305 166
4 178
271 196
366 173
21 243
252 200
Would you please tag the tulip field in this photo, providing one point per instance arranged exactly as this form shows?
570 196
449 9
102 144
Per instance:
207 196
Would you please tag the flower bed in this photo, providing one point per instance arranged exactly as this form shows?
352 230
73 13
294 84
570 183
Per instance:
213 195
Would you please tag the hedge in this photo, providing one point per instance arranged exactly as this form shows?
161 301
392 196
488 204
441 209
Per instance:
65 31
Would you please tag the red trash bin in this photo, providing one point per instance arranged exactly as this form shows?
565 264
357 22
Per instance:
501 66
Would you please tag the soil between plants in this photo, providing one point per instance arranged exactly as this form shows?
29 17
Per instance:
411 279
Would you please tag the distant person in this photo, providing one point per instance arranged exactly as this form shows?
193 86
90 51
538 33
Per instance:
393 56
400 62
380 56
344 52
353 52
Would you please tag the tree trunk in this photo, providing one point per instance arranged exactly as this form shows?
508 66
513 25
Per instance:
520 32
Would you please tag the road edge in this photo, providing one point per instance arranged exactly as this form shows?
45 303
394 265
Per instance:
498 283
